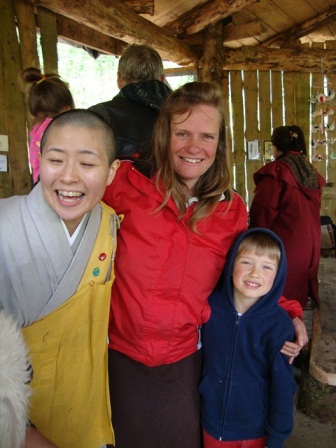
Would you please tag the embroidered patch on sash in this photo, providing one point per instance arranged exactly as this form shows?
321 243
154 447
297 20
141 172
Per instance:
96 272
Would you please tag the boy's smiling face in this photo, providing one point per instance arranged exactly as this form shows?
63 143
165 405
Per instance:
253 276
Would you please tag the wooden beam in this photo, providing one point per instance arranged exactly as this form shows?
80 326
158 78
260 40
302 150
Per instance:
200 18
115 20
283 59
140 6
180 71
233 32
301 30
83 35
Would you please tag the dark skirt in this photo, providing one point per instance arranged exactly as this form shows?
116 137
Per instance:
155 407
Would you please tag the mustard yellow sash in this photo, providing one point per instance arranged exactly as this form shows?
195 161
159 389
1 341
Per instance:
70 402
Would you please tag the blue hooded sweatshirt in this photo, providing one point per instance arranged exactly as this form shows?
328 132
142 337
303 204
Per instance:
248 386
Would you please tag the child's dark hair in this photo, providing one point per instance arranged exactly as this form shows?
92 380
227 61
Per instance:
289 138
48 94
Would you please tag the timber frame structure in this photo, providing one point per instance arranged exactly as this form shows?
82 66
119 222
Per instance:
267 55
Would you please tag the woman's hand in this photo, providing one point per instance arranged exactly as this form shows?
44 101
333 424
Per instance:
292 349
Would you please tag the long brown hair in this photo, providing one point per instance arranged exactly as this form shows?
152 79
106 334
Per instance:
217 179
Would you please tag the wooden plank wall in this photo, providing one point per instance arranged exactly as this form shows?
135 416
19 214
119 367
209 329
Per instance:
13 121
17 53
331 162
262 101
317 86
238 132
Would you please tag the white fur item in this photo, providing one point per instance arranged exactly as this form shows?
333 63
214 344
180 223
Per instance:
15 375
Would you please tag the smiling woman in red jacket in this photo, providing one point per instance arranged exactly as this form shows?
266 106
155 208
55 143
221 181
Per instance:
287 200
180 218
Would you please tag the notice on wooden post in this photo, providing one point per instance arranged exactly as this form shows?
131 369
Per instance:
3 163
3 143
253 150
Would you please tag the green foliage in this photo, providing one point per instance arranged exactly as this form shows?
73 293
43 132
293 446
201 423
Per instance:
91 81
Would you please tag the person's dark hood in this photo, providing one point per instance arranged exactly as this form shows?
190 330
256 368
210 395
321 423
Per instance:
295 170
268 301
304 172
149 93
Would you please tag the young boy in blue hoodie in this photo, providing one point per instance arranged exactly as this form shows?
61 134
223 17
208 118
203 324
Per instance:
248 384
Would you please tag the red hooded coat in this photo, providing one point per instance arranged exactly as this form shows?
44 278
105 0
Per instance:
285 204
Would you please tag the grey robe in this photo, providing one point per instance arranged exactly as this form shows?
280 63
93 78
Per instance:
38 270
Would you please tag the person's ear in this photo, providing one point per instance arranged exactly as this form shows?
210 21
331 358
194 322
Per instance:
120 81
112 171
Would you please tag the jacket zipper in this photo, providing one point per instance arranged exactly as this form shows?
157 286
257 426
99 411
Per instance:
227 393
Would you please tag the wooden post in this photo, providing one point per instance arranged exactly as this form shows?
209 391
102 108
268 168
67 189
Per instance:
25 17
48 29
5 177
211 63
13 121
317 393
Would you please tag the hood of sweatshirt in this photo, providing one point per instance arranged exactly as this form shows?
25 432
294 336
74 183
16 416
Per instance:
150 93
270 300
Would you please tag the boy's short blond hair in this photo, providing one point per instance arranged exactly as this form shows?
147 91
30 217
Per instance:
261 244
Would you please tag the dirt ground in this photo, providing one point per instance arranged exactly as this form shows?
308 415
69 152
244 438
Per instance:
308 432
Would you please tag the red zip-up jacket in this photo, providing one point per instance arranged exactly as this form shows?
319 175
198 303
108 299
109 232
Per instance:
164 270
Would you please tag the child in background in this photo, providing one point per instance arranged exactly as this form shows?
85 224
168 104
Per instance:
48 97
248 385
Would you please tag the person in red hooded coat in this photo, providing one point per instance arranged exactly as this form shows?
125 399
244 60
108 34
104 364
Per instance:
287 200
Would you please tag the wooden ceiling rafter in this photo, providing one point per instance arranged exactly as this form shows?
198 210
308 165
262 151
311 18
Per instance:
201 17
233 32
302 29
82 35
116 20
290 59
140 6
113 25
